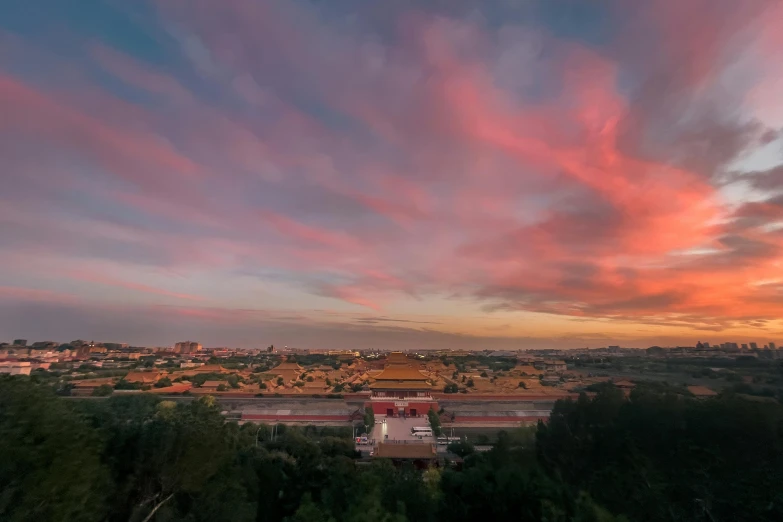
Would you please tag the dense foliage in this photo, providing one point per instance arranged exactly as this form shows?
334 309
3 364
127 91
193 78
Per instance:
657 455
434 420
660 455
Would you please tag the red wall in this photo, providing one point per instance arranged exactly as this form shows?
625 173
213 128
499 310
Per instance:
380 407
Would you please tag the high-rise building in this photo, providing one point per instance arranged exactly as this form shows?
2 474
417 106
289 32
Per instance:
772 346
20 342
187 347
754 346
744 347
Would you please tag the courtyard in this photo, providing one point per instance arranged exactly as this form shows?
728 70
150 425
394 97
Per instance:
398 429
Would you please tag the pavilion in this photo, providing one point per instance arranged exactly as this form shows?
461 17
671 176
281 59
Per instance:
401 389
421 456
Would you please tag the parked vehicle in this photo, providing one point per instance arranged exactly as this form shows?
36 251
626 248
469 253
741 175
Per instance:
422 431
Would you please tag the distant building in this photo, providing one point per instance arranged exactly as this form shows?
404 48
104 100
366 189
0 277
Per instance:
401 389
16 368
20 342
504 354
555 366
352 353
701 392
142 377
287 371
115 346
421 456
754 346
187 347
772 346
744 347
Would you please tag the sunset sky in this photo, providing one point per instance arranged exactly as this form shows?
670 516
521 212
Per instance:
392 174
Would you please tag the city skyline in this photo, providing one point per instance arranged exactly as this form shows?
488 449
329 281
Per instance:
390 175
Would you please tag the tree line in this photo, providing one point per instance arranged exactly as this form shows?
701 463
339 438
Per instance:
656 455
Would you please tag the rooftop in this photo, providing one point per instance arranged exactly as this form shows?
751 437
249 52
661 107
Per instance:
702 391
400 373
405 451
142 376
288 366
397 358
208 368
400 385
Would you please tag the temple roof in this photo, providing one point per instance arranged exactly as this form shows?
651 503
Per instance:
397 358
400 385
288 366
405 451
400 373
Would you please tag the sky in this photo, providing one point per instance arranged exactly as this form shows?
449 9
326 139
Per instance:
392 174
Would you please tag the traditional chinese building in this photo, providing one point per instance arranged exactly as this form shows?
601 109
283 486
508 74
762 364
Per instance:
422 456
401 389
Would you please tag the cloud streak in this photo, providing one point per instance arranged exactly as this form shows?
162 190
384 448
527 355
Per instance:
407 158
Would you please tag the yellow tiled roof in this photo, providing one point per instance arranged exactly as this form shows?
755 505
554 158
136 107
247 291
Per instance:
405 451
400 385
400 374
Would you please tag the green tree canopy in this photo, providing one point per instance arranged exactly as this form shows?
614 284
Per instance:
50 458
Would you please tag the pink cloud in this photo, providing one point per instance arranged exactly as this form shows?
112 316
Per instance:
34 294
372 169
96 277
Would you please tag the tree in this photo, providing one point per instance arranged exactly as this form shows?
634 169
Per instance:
461 448
645 455
280 381
165 382
233 380
51 466
522 385
484 374
470 383
122 384
308 511
657 454
222 387
104 390
175 452
451 388
434 419
369 417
